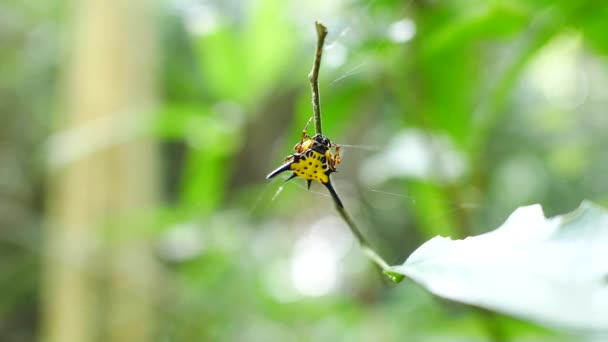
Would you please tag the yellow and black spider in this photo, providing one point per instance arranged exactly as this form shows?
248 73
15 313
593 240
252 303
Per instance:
313 160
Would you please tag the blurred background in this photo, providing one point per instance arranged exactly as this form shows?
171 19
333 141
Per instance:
136 136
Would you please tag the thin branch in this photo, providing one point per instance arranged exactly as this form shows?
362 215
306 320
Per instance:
313 77
361 239
366 248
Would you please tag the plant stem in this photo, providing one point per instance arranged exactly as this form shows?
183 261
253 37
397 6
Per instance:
313 77
365 247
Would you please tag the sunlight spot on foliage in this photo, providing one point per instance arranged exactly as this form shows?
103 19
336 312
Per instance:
414 153
182 242
519 179
314 264
305 12
569 160
314 269
218 131
336 56
200 17
277 282
402 31
264 330
335 232
557 72
85 139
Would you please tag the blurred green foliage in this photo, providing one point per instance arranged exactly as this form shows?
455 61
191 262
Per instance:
516 87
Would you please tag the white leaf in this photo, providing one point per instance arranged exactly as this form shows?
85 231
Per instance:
552 271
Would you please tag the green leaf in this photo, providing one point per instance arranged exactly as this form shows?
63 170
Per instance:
593 25
223 78
254 56
269 47
550 271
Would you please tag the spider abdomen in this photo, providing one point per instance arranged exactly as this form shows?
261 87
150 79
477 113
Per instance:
311 165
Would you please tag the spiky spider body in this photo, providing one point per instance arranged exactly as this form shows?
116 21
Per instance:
312 161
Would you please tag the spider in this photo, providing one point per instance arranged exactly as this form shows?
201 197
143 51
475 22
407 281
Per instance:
313 160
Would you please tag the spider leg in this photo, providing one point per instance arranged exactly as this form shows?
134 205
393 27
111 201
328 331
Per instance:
299 148
308 123
289 159
330 161
334 195
337 159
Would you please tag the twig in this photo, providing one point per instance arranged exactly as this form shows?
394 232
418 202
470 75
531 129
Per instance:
313 77
361 239
366 248
314 85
